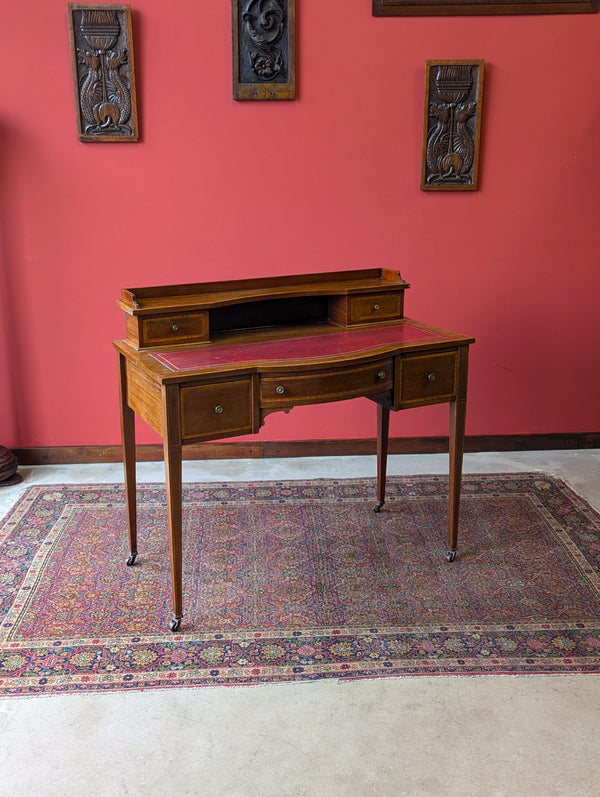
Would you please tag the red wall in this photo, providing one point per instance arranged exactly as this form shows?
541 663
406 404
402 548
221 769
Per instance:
221 189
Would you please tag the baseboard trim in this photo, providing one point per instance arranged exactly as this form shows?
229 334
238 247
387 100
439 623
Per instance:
72 455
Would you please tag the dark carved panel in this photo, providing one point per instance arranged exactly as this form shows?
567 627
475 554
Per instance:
452 125
438 8
103 72
264 65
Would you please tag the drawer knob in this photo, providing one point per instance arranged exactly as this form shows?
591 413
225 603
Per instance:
381 375
280 390
375 307
218 409
175 328
431 377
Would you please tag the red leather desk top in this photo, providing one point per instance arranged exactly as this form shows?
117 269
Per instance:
331 344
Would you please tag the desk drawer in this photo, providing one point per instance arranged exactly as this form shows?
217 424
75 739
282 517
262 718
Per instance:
374 307
327 385
365 308
426 379
223 409
174 329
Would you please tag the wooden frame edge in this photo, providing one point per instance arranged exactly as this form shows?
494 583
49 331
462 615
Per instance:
430 8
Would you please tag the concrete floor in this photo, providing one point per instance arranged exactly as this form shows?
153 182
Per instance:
467 736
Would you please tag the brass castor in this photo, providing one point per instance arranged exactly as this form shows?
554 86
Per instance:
175 623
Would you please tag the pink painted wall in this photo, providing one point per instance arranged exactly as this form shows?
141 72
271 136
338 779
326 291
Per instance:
221 189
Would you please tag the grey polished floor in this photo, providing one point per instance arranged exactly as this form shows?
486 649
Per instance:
493 735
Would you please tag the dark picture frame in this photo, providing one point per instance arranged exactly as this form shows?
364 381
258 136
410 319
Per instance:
418 8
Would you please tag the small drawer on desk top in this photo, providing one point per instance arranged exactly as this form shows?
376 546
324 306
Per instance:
174 329
366 308
374 307
222 409
327 385
426 379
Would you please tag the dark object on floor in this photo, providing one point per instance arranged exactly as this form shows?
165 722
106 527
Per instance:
8 468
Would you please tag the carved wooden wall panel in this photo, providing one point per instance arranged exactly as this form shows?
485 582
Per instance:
264 49
103 72
452 125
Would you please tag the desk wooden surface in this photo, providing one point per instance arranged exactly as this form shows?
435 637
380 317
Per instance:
209 364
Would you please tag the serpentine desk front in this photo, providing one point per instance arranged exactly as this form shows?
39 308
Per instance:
210 360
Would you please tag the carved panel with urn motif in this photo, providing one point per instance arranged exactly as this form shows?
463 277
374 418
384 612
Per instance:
452 125
103 72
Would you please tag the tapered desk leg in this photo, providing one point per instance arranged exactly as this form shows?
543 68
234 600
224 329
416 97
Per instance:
458 415
383 432
128 447
173 462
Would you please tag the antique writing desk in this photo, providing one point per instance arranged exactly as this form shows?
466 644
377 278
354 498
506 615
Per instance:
211 360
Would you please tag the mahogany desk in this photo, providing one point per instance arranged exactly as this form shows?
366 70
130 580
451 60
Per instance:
211 360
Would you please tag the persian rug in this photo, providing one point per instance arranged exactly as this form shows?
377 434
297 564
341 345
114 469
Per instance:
298 580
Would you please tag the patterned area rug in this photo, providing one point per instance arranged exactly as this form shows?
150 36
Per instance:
298 581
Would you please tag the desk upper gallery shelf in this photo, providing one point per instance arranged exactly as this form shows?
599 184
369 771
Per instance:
190 314
208 361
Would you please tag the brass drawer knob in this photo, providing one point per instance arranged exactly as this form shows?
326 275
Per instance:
431 377
175 328
375 307
381 375
218 409
280 390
